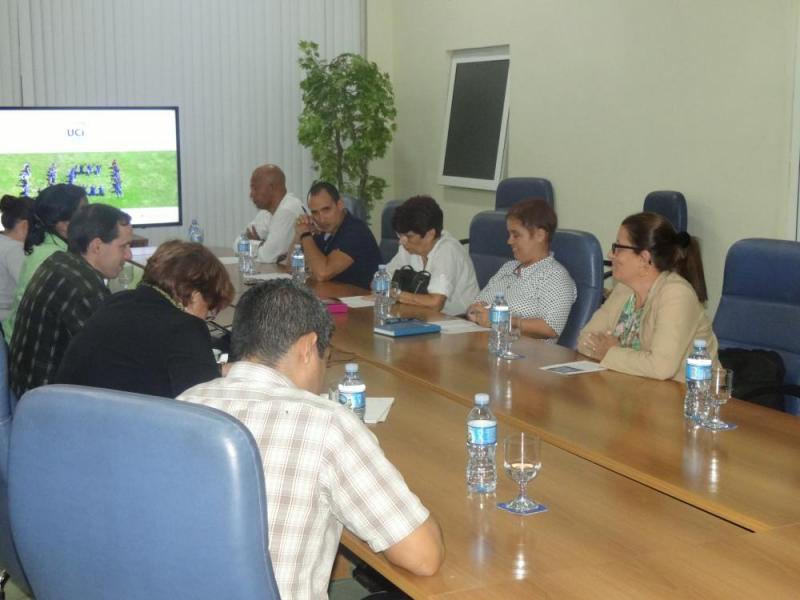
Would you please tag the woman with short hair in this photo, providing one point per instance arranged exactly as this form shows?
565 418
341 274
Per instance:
51 213
425 246
539 290
154 339
15 218
648 324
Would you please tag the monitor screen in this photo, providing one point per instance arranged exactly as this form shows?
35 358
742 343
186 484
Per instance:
127 157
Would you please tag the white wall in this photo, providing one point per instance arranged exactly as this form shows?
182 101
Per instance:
231 67
611 99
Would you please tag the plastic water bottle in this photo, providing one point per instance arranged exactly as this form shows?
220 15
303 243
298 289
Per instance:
246 265
352 391
481 447
698 381
381 282
298 265
499 315
195 232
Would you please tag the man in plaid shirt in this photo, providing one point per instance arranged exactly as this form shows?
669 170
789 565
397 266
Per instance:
65 291
324 470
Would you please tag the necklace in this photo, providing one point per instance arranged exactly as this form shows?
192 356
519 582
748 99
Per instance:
171 300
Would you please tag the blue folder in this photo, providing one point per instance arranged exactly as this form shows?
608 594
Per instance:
402 328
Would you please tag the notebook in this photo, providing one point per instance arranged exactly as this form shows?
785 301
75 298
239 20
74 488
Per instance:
404 327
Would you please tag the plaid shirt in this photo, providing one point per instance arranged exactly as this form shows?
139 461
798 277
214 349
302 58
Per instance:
543 290
62 295
323 470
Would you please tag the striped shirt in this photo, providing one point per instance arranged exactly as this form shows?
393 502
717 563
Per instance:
63 293
323 470
543 290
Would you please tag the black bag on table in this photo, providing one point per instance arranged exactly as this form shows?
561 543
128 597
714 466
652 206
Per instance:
758 376
412 281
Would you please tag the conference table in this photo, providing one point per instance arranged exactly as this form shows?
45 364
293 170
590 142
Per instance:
641 502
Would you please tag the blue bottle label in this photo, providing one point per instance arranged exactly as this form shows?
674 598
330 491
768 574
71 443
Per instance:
482 432
698 369
498 316
354 400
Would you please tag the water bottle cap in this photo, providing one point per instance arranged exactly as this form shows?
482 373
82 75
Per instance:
351 368
481 399
381 267
700 343
297 246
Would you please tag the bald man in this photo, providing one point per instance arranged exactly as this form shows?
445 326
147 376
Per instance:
278 211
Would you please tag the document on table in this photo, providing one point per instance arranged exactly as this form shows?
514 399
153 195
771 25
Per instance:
377 410
358 301
228 260
574 368
453 326
266 277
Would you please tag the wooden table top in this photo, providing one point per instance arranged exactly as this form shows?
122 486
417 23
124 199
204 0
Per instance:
595 516
632 425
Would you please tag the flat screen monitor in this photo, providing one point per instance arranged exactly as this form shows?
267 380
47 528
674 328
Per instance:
128 157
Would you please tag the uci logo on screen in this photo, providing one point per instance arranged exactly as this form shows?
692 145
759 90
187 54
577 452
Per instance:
75 132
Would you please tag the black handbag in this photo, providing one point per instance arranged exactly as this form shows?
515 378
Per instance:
758 376
412 281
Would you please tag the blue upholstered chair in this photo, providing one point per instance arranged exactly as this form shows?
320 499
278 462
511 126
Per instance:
119 495
513 189
670 204
760 303
356 207
9 561
487 246
581 255
389 242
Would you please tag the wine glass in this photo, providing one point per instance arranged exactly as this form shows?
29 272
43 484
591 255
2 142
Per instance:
718 394
125 276
522 460
509 336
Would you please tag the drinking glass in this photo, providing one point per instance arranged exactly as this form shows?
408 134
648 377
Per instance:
522 460
125 276
718 394
394 293
508 337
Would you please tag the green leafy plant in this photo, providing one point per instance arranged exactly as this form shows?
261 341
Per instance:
348 120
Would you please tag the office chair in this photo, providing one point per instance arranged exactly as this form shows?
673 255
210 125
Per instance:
356 207
388 242
488 247
670 204
760 303
9 561
513 189
581 255
120 495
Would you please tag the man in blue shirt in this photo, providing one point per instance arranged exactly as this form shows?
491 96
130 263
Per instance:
337 246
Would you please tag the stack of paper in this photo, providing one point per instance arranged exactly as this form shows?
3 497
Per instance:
267 276
358 301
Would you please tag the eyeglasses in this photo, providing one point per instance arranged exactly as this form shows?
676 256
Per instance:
615 247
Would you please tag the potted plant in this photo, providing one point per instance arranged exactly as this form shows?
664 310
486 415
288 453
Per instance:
348 120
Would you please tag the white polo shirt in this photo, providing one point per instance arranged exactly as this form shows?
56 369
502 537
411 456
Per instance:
277 230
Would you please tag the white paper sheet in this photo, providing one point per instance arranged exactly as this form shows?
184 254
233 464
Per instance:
267 276
574 368
454 326
228 260
358 301
377 410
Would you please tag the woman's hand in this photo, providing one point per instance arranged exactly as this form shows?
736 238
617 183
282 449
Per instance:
478 313
597 345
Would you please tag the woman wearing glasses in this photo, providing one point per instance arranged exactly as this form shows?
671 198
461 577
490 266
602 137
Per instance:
154 339
538 288
647 325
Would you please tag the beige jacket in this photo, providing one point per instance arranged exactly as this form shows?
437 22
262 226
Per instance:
672 319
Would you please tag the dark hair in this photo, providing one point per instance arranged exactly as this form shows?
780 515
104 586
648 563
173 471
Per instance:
94 221
54 204
535 213
419 214
180 268
669 250
319 186
272 316
14 209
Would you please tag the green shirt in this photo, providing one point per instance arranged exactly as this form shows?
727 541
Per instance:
51 244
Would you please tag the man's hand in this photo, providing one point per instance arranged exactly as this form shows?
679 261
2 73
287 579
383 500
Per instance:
251 233
304 224
479 314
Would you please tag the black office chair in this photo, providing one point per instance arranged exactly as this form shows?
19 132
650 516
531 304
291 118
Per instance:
513 189
356 207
